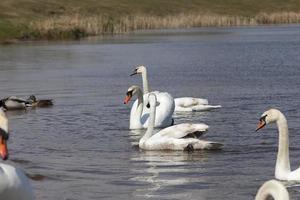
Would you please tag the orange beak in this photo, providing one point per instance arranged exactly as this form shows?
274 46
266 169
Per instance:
127 99
3 149
260 125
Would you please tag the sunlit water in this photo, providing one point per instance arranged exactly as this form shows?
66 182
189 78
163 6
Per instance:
82 149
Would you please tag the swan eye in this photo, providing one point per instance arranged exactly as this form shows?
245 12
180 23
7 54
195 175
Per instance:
262 123
263 118
129 93
148 105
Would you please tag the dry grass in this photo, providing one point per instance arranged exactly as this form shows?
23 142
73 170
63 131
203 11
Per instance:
56 19
77 26
278 18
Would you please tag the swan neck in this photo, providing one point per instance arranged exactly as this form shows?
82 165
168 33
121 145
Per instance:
145 81
140 105
272 189
151 123
283 160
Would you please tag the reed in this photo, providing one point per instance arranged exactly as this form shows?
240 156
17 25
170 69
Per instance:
77 26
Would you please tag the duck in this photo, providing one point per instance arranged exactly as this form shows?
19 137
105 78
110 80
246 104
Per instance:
34 102
14 184
178 137
182 104
14 103
17 103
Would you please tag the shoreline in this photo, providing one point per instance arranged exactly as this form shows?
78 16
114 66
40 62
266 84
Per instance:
74 27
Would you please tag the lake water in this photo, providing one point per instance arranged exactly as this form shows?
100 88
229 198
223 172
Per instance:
82 146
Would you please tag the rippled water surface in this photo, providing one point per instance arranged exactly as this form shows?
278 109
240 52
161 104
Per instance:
82 149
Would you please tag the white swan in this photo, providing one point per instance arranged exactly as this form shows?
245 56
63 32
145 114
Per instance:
139 114
174 137
14 185
282 169
274 189
183 104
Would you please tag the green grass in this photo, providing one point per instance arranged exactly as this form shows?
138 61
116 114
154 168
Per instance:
9 31
16 15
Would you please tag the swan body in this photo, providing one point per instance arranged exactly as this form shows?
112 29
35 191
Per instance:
183 104
282 168
174 137
139 114
14 185
274 189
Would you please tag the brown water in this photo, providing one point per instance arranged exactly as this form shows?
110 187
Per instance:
81 148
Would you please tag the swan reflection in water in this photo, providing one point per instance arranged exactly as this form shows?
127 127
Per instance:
168 174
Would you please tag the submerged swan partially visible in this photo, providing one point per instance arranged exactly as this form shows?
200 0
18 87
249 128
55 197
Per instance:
274 189
14 185
283 168
178 137
183 104
139 115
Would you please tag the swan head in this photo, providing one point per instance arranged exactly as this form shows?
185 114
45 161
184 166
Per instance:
3 135
139 70
132 90
152 101
268 117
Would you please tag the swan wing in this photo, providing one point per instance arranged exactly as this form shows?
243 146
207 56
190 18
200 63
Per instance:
180 131
205 107
189 101
180 144
294 175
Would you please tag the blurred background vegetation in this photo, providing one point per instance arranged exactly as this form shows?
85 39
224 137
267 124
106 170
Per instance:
73 19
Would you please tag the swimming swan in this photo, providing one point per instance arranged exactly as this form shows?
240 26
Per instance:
282 169
14 185
139 114
183 104
174 137
274 189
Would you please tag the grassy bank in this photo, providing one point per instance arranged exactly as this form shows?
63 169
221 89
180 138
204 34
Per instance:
78 26
72 19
